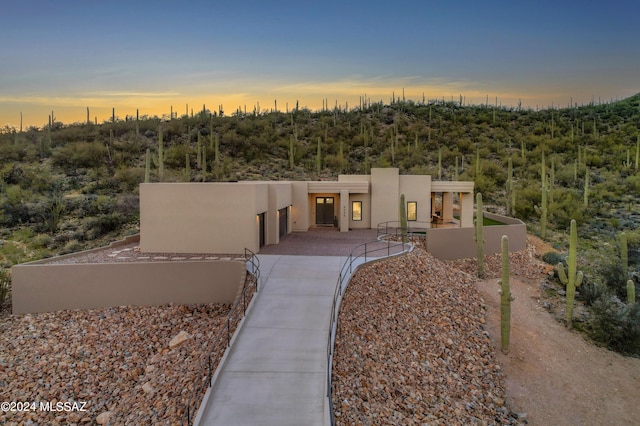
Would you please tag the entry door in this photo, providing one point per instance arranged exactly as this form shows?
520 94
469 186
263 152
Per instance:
324 210
261 229
284 221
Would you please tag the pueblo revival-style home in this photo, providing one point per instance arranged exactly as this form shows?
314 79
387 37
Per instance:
229 217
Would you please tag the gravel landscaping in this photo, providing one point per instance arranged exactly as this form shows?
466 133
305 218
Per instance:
411 348
131 365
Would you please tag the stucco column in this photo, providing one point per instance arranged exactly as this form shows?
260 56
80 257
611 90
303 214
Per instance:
447 206
344 211
433 204
466 209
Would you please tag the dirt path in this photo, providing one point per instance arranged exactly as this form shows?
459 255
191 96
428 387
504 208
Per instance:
554 375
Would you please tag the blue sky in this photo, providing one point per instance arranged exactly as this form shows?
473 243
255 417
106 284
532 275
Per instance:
69 55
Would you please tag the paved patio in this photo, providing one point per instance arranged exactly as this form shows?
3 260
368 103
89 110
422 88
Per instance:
321 241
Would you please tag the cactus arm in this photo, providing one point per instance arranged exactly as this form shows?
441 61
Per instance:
562 274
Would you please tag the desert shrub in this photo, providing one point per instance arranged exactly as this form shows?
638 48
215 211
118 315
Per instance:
103 224
616 325
566 207
176 156
72 246
614 278
5 285
129 178
103 204
80 155
553 257
485 185
52 214
526 199
591 291
41 241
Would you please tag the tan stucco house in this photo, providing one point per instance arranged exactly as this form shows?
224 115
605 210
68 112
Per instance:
229 217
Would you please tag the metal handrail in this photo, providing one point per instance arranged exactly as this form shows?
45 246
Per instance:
365 250
224 336
394 228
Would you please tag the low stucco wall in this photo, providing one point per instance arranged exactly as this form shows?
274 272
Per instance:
458 243
51 287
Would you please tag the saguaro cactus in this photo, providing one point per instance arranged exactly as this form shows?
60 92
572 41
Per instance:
479 236
631 293
403 218
586 189
509 193
319 157
505 297
160 157
187 168
147 168
624 253
572 279
543 209
292 152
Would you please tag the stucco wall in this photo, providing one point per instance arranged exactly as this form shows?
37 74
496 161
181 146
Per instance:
385 196
365 223
418 189
458 243
300 211
200 217
52 287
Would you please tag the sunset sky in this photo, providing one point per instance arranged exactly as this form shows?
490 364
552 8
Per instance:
66 56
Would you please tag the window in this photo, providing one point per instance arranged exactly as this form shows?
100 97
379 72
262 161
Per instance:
356 210
412 210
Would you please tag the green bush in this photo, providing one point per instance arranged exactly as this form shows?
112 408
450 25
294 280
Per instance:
590 292
614 278
80 155
5 285
616 325
104 224
553 257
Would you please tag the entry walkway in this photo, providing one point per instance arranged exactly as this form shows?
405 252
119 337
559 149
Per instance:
276 370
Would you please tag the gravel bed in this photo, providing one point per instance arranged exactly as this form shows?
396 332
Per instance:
522 263
411 348
123 362
132 253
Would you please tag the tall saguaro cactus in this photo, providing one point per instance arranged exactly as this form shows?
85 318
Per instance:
510 194
572 279
586 189
479 235
319 157
403 219
505 297
147 167
161 156
624 253
631 293
543 209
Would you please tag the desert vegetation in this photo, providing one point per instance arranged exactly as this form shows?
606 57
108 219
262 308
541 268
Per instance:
66 187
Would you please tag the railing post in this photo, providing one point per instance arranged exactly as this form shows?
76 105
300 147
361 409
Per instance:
209 375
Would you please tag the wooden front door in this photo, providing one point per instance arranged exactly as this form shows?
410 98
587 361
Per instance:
324 210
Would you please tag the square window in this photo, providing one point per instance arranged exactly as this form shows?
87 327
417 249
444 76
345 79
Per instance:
412 210
356 210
